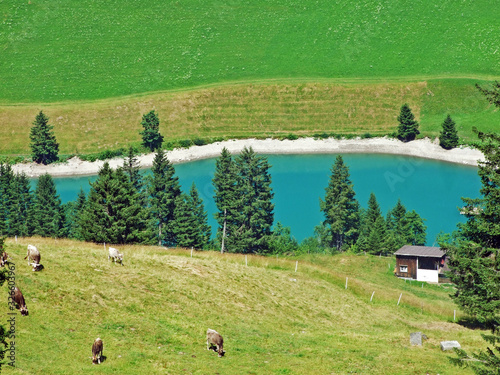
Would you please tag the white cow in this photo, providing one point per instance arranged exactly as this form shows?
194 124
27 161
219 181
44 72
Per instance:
115 255
33 255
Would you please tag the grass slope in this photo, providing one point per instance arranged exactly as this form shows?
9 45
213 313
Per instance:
153 312
83 50
254 110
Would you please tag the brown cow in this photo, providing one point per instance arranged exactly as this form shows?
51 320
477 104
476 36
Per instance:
33 255
97 347
3 259
19 301
215 342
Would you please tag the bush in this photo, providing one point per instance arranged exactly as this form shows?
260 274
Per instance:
292 137
185 143
199 141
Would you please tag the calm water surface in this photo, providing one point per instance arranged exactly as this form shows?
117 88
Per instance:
431 188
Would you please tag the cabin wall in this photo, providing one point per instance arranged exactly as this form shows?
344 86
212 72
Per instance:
411 266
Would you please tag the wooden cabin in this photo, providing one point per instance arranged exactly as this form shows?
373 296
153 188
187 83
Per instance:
421 263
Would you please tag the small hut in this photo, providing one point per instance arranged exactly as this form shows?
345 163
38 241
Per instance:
421 263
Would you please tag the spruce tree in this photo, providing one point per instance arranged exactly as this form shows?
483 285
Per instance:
340 207
131 167
374 229
474 255
448 137
416 229
48 215
227 198
44 147
185 228
203 231
151 137
398 227
408 126
6 198
163 189
21 214
73 212
257 220
112 212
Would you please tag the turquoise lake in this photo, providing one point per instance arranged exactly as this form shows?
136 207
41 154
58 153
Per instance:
432 188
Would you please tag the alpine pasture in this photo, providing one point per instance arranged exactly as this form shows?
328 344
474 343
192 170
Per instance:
96 67
152 313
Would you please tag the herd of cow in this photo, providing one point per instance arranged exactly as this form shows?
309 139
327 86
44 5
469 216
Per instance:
214 339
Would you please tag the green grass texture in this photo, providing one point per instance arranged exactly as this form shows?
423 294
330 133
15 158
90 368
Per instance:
285 315
57 50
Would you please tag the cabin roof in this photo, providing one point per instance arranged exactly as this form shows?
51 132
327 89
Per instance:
421 251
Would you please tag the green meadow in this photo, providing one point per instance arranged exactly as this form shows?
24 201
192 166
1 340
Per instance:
241 69
153 312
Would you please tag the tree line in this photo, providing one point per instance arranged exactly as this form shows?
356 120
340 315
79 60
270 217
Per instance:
125 206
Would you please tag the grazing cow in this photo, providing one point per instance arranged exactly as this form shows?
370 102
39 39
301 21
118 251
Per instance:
3 259
19 301
115 255
33 255
97 347
215 342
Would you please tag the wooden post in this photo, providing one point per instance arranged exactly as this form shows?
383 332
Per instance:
422 285
400 298
104 246
191 252
296 265
346 282
454 314
372 296
16 238
246 261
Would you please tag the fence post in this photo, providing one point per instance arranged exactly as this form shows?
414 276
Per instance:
372 296
400 298
296 265
246 261
346 282
191 251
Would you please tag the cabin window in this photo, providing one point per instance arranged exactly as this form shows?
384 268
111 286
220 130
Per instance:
403 269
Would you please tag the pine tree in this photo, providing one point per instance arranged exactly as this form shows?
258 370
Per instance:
73 212
163 189
6 198
198 209
474 255
408 127
416 229
131 167
112 212
374 229
185 228
340 208
255 187
44 147
21 214
397 225
448 137
227 198
151 137
48 215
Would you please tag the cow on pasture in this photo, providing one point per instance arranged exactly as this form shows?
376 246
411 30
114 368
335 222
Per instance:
3 259
97 348
33 255
115 255
19 301
215 342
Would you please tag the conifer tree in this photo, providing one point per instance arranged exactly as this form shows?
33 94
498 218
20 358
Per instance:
48 215
73 212
21 214
185 228
408 126
374 233
474 257
340 207
227 198
398 227
151 137
131 167
257 209
416 229
448 137
6 197
112 213
163 189
198 209
44 147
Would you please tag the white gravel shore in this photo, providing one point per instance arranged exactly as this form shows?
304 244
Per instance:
423 148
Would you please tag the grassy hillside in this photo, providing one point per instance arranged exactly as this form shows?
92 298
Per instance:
73 50
254 110
153 312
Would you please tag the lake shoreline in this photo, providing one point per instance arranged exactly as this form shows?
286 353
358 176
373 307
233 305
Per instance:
422 148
